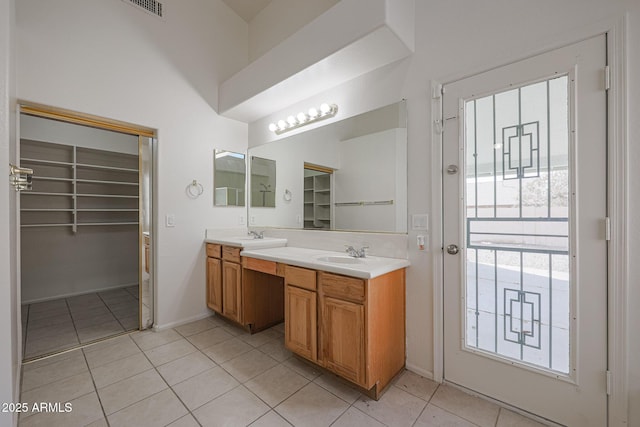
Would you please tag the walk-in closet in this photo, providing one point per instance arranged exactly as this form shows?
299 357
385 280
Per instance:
85 233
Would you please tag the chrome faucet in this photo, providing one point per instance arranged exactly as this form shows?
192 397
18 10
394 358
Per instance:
356 253
255 235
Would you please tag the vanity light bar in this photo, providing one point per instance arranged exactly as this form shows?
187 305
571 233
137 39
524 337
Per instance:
301 119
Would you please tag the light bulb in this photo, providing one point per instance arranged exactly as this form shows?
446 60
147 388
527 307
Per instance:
273 127
292 121
282 125
302 117
313 113
324 108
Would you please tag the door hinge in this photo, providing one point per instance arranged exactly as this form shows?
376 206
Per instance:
607 228
607 77
438 90
609 383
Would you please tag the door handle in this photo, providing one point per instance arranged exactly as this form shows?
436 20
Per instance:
453 249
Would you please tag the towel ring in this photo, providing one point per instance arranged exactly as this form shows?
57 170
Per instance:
287 195
194 190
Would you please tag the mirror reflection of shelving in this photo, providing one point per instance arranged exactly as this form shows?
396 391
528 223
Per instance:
75 186
317 199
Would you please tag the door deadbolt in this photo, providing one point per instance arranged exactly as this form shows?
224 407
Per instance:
452 169
452 249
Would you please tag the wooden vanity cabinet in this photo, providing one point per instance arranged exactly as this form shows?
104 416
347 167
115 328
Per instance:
232 291
343 325
300 305
362 328
224 281
244 290
214 277
214 284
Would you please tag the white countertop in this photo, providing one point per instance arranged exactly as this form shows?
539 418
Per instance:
334 262
247 242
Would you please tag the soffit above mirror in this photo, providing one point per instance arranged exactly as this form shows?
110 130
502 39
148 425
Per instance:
331 50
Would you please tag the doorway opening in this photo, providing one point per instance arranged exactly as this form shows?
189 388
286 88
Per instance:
86 230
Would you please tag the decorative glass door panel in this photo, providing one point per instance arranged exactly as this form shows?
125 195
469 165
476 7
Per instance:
517 224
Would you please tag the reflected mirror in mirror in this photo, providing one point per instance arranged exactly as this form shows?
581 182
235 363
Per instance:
263 182
229 177
349 175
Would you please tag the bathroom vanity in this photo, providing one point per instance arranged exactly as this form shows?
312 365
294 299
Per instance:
342 313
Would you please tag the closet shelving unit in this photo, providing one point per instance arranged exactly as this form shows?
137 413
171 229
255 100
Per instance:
317 201
76 186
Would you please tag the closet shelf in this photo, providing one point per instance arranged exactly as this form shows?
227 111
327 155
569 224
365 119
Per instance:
96 181
45 225
113 168
110 196
317 198
115 172
44 193
108 223
52 178
46 210
106 210
45 162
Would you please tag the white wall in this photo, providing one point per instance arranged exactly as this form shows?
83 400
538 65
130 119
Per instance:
41 129
279 20
9 320
459 38
110 59
372 168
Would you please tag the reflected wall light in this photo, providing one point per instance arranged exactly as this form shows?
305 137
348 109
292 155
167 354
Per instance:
301 119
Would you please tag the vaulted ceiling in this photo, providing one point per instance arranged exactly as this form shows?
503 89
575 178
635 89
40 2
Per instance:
247 9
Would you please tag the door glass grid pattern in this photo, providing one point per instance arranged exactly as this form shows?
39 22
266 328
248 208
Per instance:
517 198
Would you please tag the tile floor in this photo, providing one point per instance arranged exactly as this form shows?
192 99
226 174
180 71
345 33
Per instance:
57 325
208 373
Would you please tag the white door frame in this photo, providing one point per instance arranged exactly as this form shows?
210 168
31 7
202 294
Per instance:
617 210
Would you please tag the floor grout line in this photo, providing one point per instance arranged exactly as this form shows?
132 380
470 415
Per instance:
74 323
182 336
165 381
95 388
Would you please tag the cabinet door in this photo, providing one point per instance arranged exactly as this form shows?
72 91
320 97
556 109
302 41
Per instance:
232 290
300 322
342 329
214 284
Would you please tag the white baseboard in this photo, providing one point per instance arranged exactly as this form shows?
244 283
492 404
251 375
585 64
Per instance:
75 294
419 371
181 322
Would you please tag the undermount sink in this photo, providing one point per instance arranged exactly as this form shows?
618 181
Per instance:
341 259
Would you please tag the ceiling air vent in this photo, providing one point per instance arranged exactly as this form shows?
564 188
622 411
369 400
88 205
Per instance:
150 6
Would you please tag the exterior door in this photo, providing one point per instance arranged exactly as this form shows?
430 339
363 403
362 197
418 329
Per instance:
525 273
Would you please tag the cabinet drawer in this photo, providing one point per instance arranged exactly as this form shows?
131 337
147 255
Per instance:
342 287
231 253
300 277
262 265
213 250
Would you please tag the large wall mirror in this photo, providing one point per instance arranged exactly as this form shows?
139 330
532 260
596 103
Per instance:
263 182
229 177
350 175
